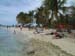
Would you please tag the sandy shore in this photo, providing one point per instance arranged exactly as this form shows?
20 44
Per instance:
44 45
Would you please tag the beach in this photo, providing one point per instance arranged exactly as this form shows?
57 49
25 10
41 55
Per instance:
44 45
37 28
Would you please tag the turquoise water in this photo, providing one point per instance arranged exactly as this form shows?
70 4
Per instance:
9 46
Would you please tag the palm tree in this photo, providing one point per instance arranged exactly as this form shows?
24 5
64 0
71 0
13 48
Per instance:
54 6
41 15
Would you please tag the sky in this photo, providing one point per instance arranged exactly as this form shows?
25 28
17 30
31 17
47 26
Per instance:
10 8
70 2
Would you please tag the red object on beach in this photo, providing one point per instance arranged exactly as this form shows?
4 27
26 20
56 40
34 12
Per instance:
61 26
56 33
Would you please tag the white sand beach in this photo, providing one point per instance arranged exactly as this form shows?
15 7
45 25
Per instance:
45 45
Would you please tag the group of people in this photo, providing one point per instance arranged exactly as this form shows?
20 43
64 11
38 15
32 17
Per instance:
58 34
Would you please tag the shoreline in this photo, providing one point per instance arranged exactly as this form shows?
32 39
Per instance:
42 38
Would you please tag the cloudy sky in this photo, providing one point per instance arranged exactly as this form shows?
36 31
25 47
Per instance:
10 8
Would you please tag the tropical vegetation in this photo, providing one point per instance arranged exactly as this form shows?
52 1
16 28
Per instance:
51 12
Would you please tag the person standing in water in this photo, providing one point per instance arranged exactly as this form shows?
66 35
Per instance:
14 32
21 28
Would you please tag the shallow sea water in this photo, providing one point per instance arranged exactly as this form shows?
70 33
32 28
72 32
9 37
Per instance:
9 45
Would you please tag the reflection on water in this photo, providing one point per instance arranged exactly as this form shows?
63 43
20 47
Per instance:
9 46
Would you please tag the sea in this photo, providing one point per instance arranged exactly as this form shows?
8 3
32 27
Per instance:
9 45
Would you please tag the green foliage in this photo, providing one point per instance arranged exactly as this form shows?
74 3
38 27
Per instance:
54 6
23 18
42 13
